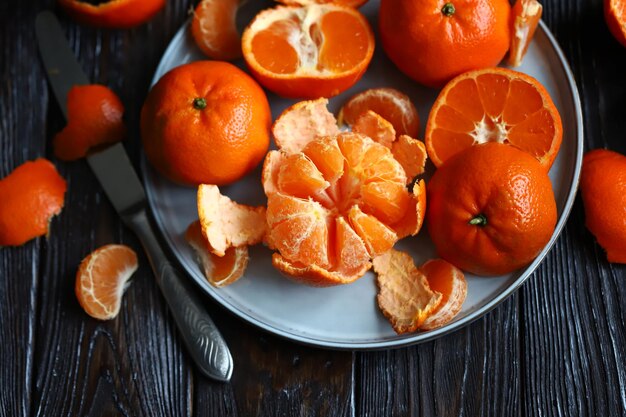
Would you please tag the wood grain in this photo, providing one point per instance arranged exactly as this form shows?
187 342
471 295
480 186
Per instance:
554 348
472 372
574 346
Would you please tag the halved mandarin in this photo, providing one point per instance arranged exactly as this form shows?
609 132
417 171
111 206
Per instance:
335 205
311 51
494 105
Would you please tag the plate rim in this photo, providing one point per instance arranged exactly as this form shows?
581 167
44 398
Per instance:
417 337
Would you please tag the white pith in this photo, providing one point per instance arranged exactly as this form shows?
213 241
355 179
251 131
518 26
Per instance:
483 133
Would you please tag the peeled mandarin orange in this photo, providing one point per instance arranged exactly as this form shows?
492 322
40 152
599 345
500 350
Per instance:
391 104
615 16
603 189
494 105
491 209
102 278
94 117
310 51
433 41
214 30
30 196
334 205
526 16
206 122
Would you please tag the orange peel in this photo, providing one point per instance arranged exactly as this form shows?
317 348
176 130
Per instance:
404 296
219 271
226 223
31 196
412 155
448 280
525 18
301 123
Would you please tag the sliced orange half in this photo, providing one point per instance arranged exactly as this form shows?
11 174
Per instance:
310 51
494 105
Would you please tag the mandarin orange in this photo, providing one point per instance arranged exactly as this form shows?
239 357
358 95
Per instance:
491 209
603 189
205 122
433 41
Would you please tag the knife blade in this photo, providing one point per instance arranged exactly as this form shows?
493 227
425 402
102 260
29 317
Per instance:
122 186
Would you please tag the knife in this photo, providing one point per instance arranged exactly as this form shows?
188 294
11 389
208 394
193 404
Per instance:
123 188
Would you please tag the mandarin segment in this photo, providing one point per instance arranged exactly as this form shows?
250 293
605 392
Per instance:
391 104
449 281
226 223
411 154
317 50
375 127
219 271
413 220
102 279
326 155
301 123
404 295
32 195
377 236
298 228
298 176
494 105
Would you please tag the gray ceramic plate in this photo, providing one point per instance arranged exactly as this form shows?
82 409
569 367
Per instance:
347 317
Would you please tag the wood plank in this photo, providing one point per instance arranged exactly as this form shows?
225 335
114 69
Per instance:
275 377
22 138
473 372
573 311
134 364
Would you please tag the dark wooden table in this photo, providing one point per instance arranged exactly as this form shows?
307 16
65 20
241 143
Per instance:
556 347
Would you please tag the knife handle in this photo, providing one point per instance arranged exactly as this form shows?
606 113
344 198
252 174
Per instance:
202 338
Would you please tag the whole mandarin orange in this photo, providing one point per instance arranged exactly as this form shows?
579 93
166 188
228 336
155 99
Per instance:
433 41
603 188
206 122
491 209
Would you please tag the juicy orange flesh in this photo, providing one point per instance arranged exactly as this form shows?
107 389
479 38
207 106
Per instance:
439 274
308 225
345 42
492 107
272 42
340 39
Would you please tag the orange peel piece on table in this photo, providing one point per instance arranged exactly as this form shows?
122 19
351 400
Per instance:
526 16
94 118
412 155
404 295
447 279
30 197
227 224
301 123
374 126
219 271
